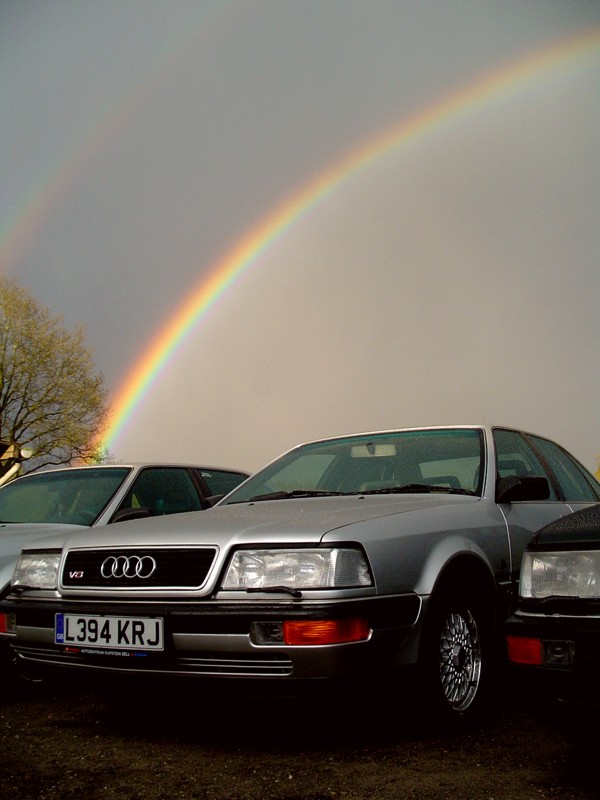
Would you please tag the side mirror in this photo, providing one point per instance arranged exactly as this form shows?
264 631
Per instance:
521 487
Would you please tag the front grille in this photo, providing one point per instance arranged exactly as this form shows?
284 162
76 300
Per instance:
116 568
268 666
241 665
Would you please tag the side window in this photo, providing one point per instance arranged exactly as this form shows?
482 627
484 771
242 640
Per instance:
514 456
221 482
164 490
569 473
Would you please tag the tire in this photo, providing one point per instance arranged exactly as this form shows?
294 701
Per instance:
460 659
454 666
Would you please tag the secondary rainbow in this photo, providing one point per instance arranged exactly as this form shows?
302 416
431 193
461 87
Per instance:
519 75
18 229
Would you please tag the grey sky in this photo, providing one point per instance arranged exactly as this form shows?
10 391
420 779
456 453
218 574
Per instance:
453 280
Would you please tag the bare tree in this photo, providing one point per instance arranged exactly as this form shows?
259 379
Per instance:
52 401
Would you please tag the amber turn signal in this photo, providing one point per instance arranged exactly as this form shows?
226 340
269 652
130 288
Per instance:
325 631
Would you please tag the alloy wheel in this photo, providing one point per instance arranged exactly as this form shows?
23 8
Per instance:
460 660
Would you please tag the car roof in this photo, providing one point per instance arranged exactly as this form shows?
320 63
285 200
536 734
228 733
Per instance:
390 431
134 465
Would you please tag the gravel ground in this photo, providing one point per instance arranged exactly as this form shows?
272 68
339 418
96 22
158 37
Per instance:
63 743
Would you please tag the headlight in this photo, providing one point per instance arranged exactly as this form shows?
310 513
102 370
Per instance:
572 574
36 570
323 568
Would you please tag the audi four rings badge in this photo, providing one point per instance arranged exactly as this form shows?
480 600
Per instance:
128 567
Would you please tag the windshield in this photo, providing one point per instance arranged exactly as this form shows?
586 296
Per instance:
448 460
75 497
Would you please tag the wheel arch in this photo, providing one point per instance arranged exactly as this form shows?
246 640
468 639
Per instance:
467 574
455 555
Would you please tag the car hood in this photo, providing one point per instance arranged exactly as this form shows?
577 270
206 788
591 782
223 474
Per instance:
20 528
577 529
305 520
15 536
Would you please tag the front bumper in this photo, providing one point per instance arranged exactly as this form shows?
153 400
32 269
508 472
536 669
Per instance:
556 656
216 639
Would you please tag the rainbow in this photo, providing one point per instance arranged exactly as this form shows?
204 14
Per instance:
518 75
18 229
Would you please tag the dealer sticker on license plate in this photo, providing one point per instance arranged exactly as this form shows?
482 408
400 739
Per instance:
119 633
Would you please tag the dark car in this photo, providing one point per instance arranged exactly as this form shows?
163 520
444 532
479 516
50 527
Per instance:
553 638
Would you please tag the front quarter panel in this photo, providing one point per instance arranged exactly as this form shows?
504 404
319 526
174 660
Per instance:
14 539
408 551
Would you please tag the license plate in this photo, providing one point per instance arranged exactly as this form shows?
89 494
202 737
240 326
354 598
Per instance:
113 633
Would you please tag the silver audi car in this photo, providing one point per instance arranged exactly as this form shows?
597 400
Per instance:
371 557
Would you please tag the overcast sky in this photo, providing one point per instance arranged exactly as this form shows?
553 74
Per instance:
453 279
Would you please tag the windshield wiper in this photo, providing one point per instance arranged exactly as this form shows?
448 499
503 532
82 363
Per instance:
276 590
295 493
18 589
561 598
418 488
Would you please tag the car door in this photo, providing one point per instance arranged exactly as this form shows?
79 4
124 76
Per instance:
515 456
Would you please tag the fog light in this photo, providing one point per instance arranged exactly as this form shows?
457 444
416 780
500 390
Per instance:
266 633
524 650
325 631
558 653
